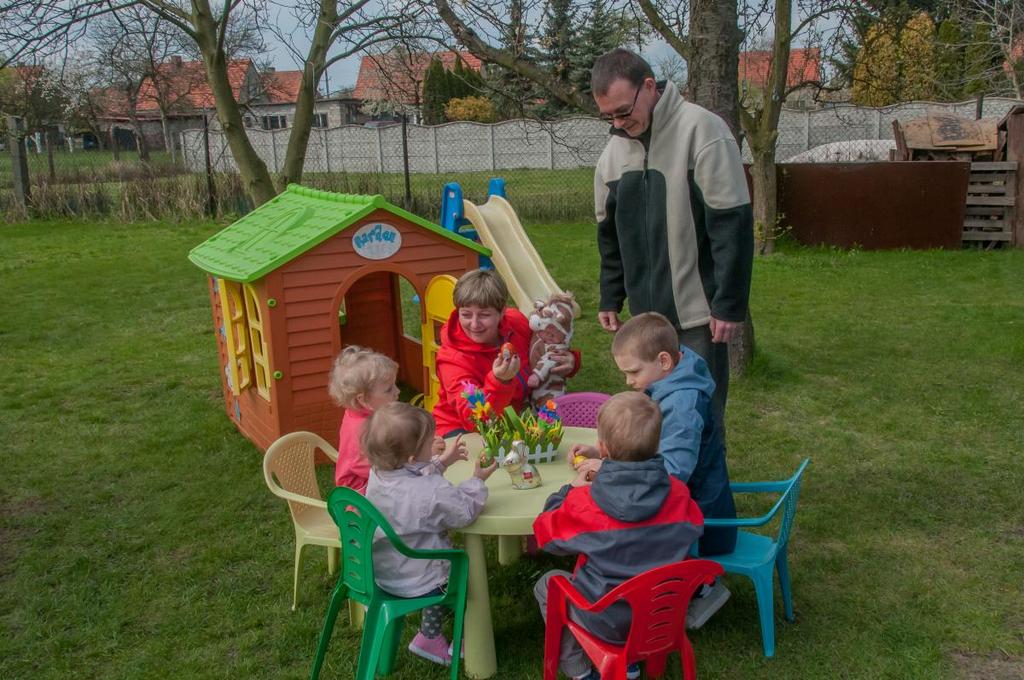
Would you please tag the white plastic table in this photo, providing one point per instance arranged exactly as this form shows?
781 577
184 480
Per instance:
508 514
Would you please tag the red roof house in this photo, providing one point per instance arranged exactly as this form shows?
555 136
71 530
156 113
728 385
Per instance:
804 66
281 87
399 77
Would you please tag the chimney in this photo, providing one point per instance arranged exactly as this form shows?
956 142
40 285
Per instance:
176 61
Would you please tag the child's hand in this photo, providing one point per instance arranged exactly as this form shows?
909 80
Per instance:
505 366
457 451
581 452
589 468
481 472
584 477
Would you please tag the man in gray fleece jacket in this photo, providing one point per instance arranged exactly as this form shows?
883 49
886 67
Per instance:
674 221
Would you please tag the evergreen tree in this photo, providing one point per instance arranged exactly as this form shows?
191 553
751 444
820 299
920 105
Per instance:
917 59
876 72
464 81
435 82
514 94
557 49
949 61
602 30
980 61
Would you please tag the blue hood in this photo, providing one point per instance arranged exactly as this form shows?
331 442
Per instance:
691 373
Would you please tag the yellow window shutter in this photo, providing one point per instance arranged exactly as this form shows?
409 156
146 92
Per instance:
258 342
236 336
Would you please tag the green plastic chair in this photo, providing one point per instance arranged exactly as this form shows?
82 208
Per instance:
358 520
758 557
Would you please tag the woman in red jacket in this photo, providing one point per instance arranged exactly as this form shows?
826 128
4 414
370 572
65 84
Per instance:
472 344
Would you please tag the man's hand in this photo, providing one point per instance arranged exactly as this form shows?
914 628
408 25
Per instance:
609 321
724 331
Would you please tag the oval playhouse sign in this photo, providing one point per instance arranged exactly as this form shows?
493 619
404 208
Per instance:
377 241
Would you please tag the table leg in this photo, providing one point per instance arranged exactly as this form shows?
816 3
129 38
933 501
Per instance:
510 548
479 631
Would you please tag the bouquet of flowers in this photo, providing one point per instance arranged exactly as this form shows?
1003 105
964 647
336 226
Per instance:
540 431
489 424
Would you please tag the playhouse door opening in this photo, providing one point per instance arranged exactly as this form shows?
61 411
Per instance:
380 311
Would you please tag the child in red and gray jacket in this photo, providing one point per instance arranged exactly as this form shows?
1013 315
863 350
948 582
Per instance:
634 516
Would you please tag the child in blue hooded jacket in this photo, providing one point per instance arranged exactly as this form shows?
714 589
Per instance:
647 351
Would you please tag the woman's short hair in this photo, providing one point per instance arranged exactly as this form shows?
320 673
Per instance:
481 288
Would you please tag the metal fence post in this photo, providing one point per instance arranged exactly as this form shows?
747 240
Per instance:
551 149
380 151
807 129
493 165
273 147
878 123
327 154
437 156
211 196
19 164
405 161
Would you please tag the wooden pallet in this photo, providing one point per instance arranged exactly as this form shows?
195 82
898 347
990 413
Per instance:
991 195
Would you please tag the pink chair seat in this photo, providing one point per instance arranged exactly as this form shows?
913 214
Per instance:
579 409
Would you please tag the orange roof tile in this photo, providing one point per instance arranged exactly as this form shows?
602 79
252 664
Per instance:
389 76
804 66
281 87
186 85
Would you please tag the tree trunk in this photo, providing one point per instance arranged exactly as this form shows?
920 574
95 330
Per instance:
48 137
168 141
713 63
113 143
298 140
140 139
256 179
714 54
763 174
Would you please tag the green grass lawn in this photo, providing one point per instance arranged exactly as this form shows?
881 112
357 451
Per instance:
139 540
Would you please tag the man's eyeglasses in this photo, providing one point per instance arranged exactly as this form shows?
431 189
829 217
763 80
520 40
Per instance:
609 117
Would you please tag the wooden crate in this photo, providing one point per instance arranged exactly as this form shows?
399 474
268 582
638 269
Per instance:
991 195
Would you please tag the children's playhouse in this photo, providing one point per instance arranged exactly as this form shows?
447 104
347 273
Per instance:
307 273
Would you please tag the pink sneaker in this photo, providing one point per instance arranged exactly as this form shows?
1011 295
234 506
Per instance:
432 649
462 650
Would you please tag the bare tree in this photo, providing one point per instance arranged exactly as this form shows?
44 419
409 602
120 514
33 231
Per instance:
761 107
336 29
32 92
999 25
130 47
478 27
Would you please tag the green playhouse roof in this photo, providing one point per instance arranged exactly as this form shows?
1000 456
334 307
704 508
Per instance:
290 224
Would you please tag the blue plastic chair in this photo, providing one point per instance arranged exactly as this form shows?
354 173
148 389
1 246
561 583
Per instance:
757 556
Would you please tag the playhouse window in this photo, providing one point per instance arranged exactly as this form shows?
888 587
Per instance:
236 336
260 362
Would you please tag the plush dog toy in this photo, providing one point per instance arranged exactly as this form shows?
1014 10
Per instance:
552 324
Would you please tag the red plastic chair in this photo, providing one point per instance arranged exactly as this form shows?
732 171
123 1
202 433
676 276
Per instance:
579 409
658 599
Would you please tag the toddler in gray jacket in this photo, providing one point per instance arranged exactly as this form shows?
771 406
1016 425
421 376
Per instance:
407 485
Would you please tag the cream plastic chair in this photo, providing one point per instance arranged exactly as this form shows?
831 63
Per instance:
289 469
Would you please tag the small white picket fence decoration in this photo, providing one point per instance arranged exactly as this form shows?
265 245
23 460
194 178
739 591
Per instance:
536 455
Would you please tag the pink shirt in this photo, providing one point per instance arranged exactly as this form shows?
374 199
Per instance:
352 470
